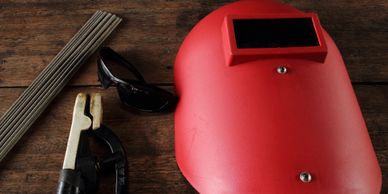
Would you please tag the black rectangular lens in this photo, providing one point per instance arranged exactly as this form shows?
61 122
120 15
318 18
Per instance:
275 33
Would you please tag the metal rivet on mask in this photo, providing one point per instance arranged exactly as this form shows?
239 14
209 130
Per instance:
305 177
282 70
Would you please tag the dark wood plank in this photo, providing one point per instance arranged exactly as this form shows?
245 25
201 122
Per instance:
150 35
148 139
359 27
31 33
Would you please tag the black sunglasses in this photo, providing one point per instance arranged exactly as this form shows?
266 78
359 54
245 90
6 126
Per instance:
135 93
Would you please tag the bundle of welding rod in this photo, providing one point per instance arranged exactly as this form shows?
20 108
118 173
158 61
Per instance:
34 100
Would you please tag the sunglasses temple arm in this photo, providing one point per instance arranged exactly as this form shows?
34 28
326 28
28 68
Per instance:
122 61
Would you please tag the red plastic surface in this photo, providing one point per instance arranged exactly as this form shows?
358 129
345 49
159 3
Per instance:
241 127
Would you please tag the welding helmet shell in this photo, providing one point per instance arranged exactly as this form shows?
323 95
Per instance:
263 110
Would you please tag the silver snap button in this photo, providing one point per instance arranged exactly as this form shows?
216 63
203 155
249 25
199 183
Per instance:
282 70
305 177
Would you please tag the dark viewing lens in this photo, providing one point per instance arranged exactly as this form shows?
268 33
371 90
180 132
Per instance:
275 33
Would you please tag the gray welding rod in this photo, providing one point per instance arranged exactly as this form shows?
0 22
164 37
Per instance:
35 99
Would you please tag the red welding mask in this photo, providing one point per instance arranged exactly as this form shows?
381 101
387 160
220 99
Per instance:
267 106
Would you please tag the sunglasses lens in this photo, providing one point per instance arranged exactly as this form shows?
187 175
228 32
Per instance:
146 98
113 68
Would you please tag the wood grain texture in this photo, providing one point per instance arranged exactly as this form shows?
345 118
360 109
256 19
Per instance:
148 139
32 32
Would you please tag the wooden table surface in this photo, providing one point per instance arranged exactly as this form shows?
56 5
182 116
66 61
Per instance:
33 32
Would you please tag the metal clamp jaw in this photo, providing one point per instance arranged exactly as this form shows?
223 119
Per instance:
81 168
